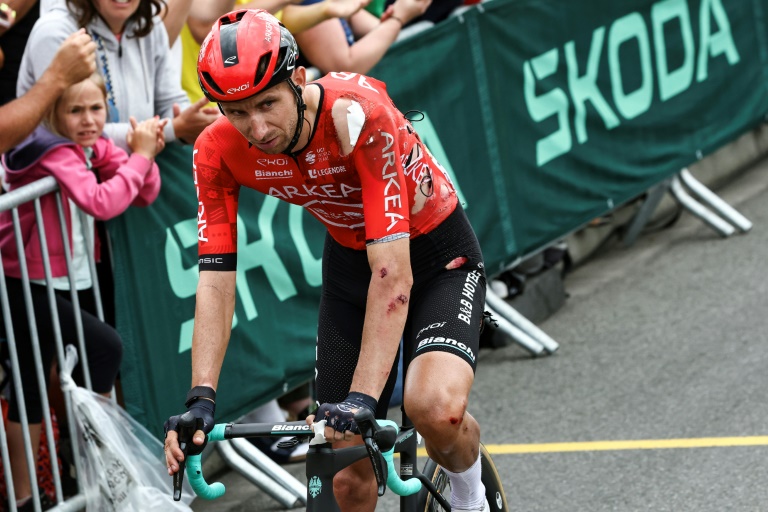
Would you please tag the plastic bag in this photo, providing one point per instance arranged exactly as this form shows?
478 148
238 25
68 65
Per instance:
121 465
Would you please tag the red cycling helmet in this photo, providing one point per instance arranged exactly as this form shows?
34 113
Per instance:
246 52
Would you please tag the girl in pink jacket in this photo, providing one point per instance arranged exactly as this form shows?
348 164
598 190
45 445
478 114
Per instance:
102 181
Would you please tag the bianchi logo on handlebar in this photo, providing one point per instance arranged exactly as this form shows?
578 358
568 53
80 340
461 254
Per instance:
293 428
315 486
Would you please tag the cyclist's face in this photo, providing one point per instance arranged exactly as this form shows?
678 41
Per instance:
267 120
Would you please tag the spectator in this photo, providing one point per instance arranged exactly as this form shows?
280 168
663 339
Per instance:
356 44
437 11
95 177
295 17
132 56
73 62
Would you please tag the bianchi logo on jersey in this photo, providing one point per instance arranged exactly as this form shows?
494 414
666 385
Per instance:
317 173
261 174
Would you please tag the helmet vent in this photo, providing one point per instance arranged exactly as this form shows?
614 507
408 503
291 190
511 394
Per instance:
226 20
210 83
261 68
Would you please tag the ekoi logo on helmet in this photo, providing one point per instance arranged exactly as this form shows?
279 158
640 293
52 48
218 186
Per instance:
243 87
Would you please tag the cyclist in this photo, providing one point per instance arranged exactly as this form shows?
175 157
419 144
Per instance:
400 257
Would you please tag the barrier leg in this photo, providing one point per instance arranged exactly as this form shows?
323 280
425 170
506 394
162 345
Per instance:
509 313
270 468
715 202
517 334
655 195
699 210
282 495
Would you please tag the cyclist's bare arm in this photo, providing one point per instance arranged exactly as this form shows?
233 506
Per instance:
386 310
213 321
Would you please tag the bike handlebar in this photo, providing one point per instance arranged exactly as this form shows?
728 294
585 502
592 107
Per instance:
196 479
396 484
383 432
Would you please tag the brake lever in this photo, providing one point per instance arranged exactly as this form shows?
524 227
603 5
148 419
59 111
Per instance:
368 429
186 428
379 464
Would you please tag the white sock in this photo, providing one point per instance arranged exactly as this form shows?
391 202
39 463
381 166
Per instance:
23 501
467 490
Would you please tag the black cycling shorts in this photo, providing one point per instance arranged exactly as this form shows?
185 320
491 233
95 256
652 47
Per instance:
445 308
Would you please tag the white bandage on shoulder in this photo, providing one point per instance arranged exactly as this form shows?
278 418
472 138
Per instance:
355 121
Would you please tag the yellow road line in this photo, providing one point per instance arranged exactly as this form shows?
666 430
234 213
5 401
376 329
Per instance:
643 444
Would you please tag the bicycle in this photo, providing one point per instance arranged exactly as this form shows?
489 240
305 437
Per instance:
420 491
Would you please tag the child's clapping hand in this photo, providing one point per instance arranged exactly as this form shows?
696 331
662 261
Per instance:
146 138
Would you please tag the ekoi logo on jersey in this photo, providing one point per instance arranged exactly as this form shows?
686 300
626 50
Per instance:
392 198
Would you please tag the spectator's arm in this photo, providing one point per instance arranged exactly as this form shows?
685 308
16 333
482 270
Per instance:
271 6
298 18
174 16
168 91
198 28
208 11
362 23
325 46
21 116
73 62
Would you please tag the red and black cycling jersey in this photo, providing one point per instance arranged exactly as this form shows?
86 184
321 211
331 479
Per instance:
389 186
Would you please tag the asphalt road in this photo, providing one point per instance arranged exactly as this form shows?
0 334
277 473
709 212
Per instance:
663 345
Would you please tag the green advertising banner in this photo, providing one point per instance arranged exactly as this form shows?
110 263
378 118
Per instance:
555 112
546 113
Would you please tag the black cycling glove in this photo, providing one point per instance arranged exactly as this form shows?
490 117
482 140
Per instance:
201 404
341 416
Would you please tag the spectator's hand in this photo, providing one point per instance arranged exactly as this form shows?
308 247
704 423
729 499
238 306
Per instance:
76 59
406 10
161 133
343 8
190 122
143 138
7 18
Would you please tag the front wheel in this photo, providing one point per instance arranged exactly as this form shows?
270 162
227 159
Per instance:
494 491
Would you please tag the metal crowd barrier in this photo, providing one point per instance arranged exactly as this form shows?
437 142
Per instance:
11 201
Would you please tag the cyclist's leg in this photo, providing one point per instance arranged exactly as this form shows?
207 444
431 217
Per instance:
346 274
445 319
436 396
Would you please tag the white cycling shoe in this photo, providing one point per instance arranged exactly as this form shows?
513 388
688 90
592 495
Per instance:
486 508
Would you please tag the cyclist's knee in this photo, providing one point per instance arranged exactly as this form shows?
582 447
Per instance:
436 412
355 483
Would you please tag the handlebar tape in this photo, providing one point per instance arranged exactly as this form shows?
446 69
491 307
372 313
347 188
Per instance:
394 482
195 470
